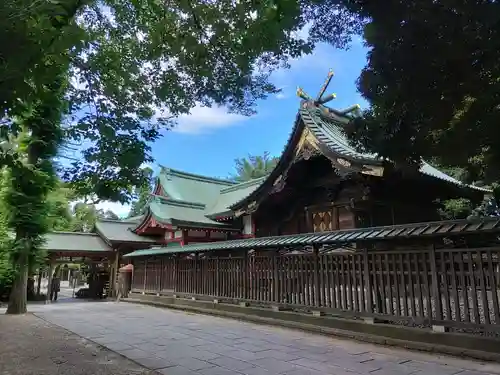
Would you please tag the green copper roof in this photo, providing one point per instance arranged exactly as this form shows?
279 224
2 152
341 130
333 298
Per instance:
181 186
231 195
194 200
133 219
340 237
120 231
155 250
330 132
169 211
75 242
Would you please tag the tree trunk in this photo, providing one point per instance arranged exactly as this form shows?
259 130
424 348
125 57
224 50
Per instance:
18 296
39 282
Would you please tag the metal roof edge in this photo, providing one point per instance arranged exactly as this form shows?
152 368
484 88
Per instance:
196 225
227 213
178 202
197 177
75 233
245 184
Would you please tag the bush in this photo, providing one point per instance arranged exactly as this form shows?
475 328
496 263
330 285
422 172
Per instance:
6 275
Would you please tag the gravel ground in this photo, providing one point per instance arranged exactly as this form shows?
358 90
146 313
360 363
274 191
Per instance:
32 346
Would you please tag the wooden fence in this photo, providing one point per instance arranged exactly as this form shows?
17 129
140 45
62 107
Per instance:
451 287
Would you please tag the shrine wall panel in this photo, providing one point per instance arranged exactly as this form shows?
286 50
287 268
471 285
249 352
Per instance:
196 233
218 235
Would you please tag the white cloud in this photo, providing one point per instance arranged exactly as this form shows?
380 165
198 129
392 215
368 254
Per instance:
283 94
205 119
121 210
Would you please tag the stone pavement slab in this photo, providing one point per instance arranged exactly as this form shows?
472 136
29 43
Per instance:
176 342
32 346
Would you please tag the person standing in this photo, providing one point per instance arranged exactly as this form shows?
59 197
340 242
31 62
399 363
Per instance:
55 287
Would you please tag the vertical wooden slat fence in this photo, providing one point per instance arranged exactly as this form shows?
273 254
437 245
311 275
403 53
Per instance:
452 287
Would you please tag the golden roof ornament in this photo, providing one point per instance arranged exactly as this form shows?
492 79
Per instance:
321 100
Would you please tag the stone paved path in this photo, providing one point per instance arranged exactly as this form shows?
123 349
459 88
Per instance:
32 346
179 343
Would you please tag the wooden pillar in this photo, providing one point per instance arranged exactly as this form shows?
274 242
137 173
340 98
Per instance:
145 276
276 285
316 296
368 283
217 277
176 277
435 294
197 275
114 264
52 265
246 279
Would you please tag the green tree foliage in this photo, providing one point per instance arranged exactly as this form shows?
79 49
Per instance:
143 194
139 57
254 166
126 60
59 215
463 208
6 270
31 176
38 39
85 216
432 83
30 30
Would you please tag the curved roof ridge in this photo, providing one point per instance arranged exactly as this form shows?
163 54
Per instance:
432 171
337 132
117 221
77 233
178 202
244 184
198 177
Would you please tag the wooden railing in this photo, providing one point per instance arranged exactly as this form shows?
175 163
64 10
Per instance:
452 287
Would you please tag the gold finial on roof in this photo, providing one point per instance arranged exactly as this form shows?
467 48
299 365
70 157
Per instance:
321 99
302 94
325 86
327 99
351 109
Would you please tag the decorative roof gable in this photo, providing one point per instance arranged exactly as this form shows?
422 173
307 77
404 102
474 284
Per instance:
318 129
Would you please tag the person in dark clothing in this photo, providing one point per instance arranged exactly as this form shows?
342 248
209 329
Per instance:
55 287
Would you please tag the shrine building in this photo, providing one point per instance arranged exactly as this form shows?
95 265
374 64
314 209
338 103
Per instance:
320 184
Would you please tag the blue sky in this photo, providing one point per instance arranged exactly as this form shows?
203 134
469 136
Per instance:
207 141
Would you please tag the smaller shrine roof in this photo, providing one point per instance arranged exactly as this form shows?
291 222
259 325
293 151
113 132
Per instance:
72 242
195 201
174 212
120 231
133 219
188 187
